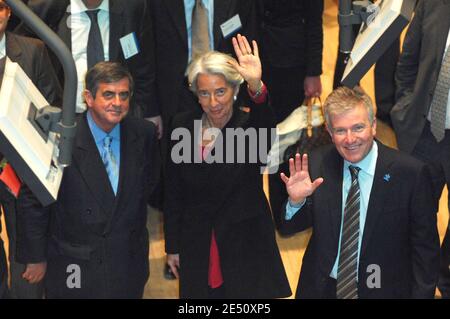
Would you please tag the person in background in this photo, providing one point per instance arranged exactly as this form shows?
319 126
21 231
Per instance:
32 57
421 115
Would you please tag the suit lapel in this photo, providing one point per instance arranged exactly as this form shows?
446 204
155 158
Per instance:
64 31
91 167
442 32
116 29
333 174
176 11
129 148
13 50
222 12
380 190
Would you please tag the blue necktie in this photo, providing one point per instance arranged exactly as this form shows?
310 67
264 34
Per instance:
110 162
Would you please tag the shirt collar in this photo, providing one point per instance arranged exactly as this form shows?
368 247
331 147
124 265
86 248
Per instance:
98 133
368 163
78 6
3 47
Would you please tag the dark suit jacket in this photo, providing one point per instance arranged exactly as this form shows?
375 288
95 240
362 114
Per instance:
418 70
33 58
125 17
105 235
229 198
172 47
400 233
292 34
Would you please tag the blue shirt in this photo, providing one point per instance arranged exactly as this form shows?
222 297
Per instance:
365 180
99 136
188 7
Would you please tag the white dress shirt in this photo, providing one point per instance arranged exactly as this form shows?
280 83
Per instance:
80 25
3 47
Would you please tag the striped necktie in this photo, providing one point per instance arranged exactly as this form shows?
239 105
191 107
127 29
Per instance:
347 286
110 163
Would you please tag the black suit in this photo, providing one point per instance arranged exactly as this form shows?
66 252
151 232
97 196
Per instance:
105 235
417 74
418 70
291 49
33 58
125 17
400 234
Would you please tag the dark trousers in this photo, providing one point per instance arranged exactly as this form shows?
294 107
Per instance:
4 294
20 288
437 157
286 90
217 293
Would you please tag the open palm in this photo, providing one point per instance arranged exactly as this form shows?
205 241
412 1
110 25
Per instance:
299 184
249 63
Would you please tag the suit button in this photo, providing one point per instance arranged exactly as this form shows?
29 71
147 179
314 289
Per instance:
100 261
88 211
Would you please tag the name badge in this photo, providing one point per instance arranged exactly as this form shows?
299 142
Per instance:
231 26
130 45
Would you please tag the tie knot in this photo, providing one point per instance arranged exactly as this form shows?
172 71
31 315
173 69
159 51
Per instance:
92 14
107 141
354 170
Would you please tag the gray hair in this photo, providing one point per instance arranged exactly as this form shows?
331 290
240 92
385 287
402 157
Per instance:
344 99
213 63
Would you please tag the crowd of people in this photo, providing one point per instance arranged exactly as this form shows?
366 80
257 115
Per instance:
176 103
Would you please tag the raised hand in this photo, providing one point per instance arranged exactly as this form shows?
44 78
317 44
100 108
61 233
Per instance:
249 65
299 184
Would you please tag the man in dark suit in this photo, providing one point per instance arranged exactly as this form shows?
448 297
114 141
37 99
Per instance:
93 242
371 210
33 58
126 35
173 35
421 116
